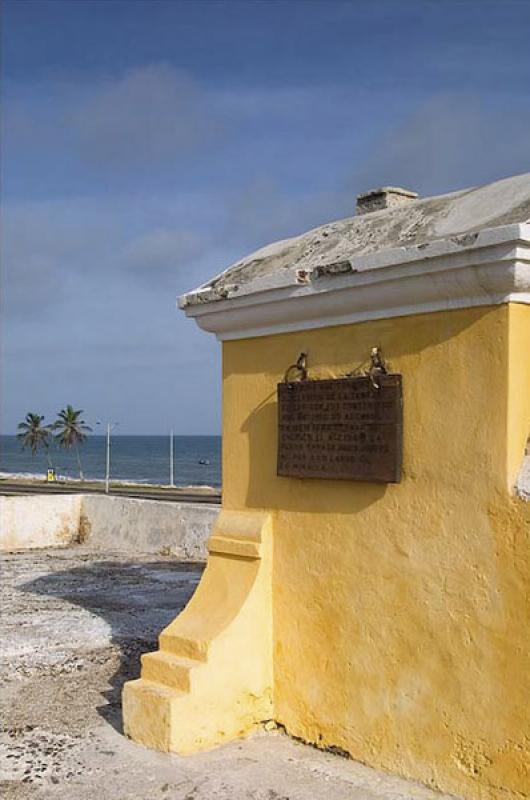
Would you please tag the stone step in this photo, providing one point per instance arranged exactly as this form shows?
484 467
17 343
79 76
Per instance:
184 646
167 669
147 712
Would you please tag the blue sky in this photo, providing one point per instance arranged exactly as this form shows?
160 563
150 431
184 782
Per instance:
148 145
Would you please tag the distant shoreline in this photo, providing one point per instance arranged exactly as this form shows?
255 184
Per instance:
135 460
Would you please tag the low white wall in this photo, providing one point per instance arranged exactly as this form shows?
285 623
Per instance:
147 526
39 520
105 522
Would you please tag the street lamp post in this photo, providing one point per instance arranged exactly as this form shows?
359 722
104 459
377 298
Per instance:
107 466
171 462
110 427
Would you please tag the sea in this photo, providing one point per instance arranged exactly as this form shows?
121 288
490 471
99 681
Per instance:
134 459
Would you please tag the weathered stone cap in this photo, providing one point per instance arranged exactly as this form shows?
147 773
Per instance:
384 197
334 248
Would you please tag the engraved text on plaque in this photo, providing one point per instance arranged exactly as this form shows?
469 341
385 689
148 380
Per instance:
342 429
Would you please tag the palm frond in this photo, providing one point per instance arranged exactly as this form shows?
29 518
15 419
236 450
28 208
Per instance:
33 434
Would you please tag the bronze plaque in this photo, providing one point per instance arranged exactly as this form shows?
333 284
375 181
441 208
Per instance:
341 429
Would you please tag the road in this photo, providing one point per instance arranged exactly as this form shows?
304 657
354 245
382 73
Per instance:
148 493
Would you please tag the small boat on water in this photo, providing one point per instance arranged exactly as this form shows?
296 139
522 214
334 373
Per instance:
204 462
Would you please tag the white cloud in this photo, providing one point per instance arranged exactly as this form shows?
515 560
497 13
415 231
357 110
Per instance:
452 141
162 250
143 118
68 249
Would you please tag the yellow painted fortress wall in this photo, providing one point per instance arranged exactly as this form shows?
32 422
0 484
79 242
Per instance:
401 612
518 386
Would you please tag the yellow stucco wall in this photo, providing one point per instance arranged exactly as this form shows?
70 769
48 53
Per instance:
401 613
518 386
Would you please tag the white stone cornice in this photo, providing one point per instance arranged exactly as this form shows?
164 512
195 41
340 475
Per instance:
487 268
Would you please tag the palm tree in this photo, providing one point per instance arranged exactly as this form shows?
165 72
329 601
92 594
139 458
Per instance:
35 435
71 431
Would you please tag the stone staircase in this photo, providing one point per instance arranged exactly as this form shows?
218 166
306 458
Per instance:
211 679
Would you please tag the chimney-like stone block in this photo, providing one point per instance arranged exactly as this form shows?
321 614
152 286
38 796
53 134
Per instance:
385 197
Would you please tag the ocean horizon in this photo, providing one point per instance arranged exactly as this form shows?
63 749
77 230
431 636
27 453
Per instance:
140 459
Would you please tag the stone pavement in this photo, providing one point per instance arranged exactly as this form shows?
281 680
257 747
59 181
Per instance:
74 624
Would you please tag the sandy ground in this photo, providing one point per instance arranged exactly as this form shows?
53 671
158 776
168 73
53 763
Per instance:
73 626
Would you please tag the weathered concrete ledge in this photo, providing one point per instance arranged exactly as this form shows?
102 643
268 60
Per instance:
39 521
147 526
106 523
